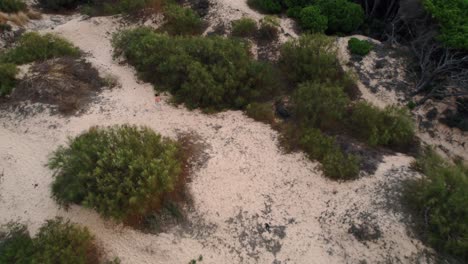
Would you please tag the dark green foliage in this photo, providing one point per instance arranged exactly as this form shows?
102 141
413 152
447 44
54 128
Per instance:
266 6
12 6
392 126
8 72
16 246
269 28
359 47
181 21
318 104
262 112
335 163
311 57
440 202
211 73
120 171
33 47
60 241
57 241
343 16
244 27
299 3
60 4
312 20
4 27
452 16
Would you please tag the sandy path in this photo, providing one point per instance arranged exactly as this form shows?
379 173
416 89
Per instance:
245 183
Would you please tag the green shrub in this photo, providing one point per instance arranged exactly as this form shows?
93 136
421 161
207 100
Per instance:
120 171
452 16
57 241
181 21
60 241
16 246
112 7
211 73
440 202
262 112
392 126
4 27
335 163
343 15
269 28
12 6
8 72
311 57
298 3
318 104
266 6
312 20
60 4
33 47
244 27
359 47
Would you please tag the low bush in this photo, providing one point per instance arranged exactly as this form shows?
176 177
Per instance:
269 28
57 241
262 112
211 73
335 164
12 6
60 4
343 16
299 3
359 47
33 47
181 21
121 171
266 6
391 127
244 27
310 58
8 72
319 104
440 203
312 20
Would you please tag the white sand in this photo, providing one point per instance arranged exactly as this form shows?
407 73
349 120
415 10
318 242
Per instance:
246 182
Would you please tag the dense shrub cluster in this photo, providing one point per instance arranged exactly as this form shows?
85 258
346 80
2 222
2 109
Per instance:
440 202
452 16
269 28
12 6
343 15
60 4
266 6
8 72
359 47
120 171
392 126
33 47
312 20
335 163
181 21
211 73
244 27
57 241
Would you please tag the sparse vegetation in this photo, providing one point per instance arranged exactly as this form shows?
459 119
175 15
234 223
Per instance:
391 127
57 241
120 171
8 72
359 47
211 73
244 27
12 6
34 47
439 201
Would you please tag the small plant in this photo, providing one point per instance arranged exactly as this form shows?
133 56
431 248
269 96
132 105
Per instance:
244 27
57 241
12 6
181 21
269 28
266 6
120 171
312 20
8 72
391 127
319 104
440 203
359 47
33 47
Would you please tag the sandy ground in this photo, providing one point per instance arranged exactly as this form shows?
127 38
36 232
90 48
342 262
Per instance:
246 182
